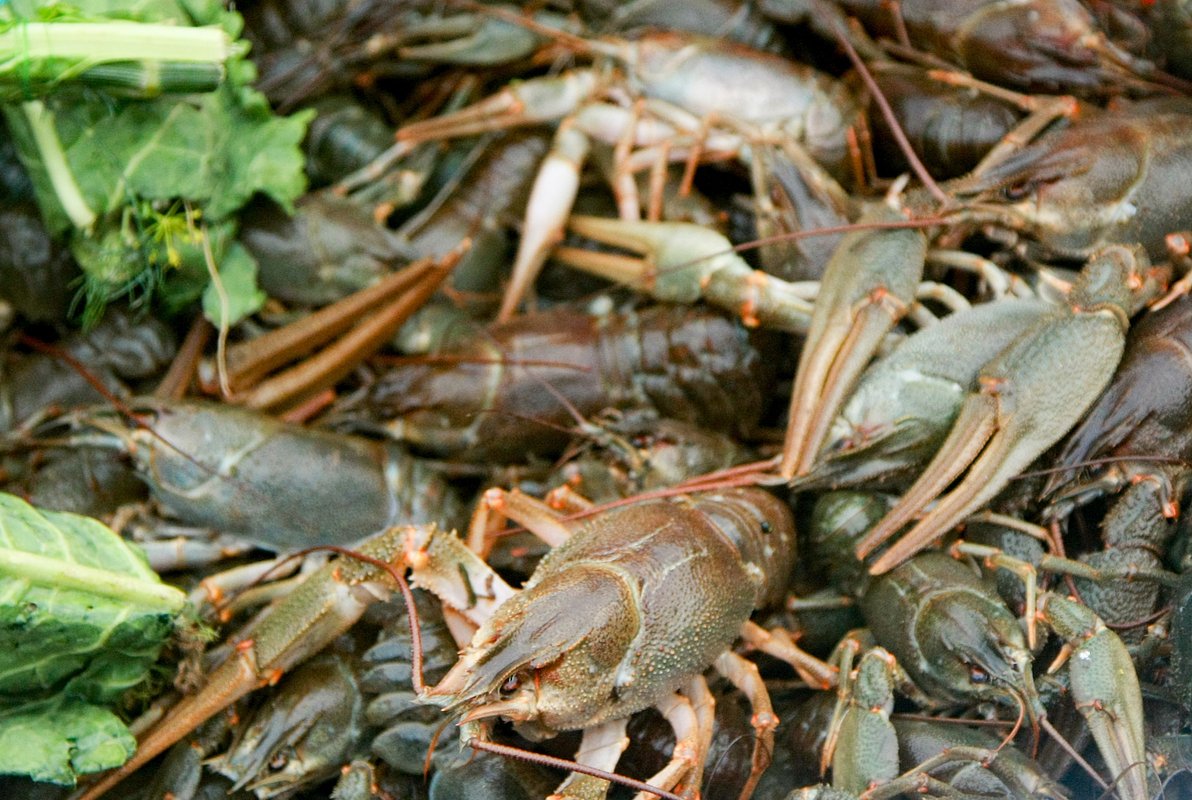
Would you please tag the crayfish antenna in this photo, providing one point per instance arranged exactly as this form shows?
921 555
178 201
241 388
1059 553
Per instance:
573 766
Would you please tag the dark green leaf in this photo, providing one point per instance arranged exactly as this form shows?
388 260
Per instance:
54 741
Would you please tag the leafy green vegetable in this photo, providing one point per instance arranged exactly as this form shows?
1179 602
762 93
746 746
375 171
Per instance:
82 619
211 150
54 741
112 174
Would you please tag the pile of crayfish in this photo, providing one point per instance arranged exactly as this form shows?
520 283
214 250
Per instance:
708 399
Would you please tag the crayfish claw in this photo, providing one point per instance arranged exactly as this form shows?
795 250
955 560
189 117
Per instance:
1105 691
868 285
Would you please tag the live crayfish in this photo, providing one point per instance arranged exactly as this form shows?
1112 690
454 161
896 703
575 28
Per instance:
528 661
1015 410
1146 494
513 391
790 104
226 468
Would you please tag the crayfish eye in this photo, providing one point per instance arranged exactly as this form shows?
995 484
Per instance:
978 675
1016 191
511 685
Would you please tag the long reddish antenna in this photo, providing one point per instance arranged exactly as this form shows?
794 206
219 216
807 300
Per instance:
571 766
407 596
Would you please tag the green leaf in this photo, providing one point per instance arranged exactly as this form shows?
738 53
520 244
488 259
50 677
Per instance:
260 152
214 152
152 151
80 610
54 741
238 276
82 620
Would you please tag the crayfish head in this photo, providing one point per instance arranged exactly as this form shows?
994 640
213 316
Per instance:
1041 190
973 649
549 656
1069 191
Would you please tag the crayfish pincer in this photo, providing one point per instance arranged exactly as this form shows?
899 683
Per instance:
1022 402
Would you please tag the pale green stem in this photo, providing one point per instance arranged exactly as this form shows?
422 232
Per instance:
53 158
101 42
59 574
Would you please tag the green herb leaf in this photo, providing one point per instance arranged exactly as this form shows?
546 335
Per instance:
260 152
214 152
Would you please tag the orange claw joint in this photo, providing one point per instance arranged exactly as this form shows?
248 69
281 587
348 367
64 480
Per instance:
868 286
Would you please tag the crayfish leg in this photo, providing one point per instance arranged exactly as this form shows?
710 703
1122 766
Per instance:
743 674
336 361
703 703
499 505
441 563
529 102
687 758
601 747
778 643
